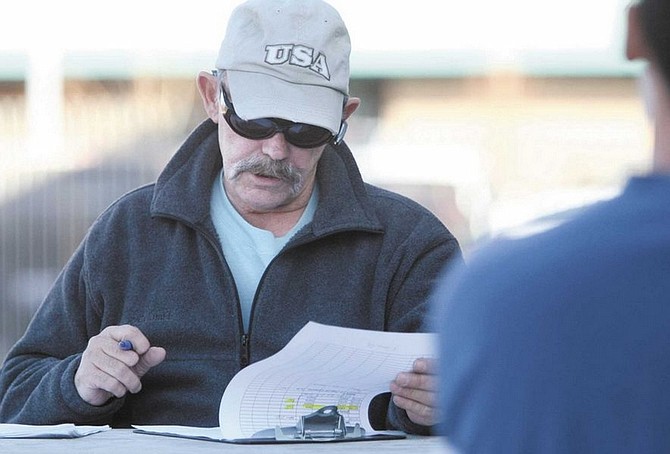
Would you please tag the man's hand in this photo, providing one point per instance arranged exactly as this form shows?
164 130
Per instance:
106 370
415 392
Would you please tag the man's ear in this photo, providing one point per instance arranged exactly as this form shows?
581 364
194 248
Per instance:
209 91
636 44
350 107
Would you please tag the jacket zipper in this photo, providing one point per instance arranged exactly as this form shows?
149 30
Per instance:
244 340
245 353
244 356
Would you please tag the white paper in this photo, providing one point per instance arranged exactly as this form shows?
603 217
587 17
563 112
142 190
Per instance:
48 431
322 365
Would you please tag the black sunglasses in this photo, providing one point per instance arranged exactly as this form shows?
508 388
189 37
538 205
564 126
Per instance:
299 134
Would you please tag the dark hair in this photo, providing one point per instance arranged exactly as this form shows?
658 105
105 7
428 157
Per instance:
655 23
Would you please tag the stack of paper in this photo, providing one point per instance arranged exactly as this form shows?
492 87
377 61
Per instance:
48 431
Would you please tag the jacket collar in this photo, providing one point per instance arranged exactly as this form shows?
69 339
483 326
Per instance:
184 186
183 189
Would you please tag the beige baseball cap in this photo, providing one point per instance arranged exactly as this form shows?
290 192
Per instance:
287 59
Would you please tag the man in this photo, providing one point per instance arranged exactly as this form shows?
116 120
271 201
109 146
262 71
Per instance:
260 223
558 343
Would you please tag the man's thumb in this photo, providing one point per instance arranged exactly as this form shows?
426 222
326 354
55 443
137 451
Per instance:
153 357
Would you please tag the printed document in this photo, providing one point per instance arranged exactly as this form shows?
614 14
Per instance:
322 365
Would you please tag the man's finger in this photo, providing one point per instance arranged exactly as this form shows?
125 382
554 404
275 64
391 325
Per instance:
128 333
153 357
417 395
118 370
425 366
416 381
417 412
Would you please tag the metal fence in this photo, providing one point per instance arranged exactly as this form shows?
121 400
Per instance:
116 137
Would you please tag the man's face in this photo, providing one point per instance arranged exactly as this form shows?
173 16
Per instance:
267 175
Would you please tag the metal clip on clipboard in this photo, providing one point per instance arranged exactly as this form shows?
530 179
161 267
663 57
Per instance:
325 424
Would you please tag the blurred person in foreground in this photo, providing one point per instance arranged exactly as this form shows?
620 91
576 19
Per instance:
559 342
260 223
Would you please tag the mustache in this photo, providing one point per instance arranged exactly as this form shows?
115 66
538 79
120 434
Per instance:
260 165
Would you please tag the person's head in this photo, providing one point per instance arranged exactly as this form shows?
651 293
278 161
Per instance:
649 34
280 95
649 39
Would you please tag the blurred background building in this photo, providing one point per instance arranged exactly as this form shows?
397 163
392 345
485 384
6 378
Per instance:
491 114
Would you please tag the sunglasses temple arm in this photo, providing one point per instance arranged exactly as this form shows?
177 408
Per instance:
340 135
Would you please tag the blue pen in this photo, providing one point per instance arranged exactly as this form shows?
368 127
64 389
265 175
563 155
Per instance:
125 344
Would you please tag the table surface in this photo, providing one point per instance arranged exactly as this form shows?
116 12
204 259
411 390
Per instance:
124 441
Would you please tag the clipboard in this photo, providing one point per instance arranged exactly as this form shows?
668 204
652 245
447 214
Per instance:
325 425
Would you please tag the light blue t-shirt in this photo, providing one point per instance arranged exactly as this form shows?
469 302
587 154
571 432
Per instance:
248 249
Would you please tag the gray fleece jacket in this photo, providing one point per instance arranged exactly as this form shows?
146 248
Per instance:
367 260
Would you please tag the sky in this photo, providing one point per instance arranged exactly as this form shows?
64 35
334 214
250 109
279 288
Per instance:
198 25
